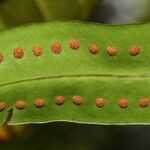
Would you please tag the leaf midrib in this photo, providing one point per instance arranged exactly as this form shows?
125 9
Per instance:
142 76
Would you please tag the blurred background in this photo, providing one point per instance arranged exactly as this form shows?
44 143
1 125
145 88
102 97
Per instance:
17 12
70 136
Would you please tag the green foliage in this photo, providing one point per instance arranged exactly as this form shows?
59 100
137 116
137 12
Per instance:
58 9
75 72
16 12
143 11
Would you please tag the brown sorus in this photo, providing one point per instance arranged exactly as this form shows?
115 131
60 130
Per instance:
1 57
18 52
143 102
56 47
123 103
21 104
74 44
111 50
59 100
2 106
77 99
37 51
93 48
134 50
39 102
100 102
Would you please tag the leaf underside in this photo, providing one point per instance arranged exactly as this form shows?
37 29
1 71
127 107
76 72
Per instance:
75 72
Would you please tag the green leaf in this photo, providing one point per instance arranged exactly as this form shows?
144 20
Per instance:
77 9
16 12
75 72
2 25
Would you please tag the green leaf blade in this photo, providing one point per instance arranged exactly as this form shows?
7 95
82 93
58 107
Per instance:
76 72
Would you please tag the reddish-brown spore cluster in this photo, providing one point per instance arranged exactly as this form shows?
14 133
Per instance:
37 51
134 50
39 102
77 99
18 52
56 47
123 103
100 102
1 57
112 51
21 104
59 100
93 48
2 106
74 44
143 102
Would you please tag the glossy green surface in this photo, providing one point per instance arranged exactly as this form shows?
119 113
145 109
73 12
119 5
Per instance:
76 72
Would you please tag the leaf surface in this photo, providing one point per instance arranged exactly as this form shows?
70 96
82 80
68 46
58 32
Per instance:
75 72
